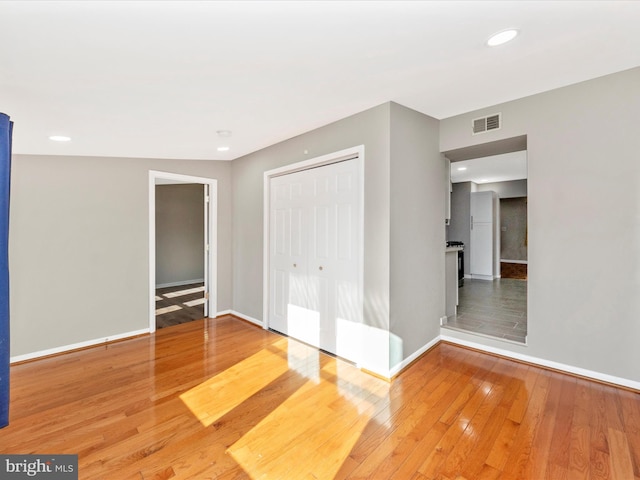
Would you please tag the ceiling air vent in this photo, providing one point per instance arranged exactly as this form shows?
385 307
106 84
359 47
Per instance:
486 124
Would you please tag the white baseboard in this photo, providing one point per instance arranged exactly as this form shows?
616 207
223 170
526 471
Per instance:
76 346
476 276
407 361
522 262
179 284
245 317
603 377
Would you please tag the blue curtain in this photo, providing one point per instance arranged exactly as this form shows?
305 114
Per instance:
6 127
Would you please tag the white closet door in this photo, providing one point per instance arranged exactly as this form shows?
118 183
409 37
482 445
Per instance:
334 255
315 257
288 232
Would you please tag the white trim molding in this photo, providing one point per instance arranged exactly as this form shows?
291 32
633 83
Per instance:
476 276
211 275
246 317
411 358
602 377
180 283
78 346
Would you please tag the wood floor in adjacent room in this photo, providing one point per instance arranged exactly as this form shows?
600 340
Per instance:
179 304
222 399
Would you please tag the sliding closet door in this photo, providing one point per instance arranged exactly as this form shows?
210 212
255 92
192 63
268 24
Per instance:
315 294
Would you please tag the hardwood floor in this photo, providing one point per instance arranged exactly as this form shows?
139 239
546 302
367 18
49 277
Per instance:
223 399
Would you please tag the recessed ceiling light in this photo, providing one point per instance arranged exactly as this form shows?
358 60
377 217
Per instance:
223 149
502 37
461 169
224 133
59 138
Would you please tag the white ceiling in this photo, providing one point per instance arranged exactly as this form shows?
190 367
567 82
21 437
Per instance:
495 168
158 79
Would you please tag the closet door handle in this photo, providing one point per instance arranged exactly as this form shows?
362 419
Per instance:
320 267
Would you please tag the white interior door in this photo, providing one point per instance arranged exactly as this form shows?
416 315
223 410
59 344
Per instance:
288 278
315 272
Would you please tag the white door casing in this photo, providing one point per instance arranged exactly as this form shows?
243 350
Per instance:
211 236
205 248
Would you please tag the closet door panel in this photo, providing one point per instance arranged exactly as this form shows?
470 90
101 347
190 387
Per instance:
316 247
288 250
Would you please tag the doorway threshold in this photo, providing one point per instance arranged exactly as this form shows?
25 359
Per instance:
485 335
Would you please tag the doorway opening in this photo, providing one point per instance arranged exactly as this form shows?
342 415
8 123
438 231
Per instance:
492 298
182 246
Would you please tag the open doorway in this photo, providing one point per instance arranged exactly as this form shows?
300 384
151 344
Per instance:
182 246
491 301
180 260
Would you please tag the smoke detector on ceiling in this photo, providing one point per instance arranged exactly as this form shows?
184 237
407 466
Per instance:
486 124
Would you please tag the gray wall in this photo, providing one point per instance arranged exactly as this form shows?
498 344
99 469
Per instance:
404 239
513 225
417 233
79 246
584 220
369 128
179 233
79 232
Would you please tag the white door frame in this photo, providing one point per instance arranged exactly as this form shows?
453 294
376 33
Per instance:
346 154
211 275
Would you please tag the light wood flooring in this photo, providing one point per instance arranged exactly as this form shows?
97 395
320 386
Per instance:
496 308
223 399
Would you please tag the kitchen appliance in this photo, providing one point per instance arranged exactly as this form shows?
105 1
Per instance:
460 261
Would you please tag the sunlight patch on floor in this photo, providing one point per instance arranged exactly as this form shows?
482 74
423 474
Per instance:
306 436
169 309
197 301
181 293
214 398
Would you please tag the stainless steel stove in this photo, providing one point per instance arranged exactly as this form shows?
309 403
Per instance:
460 261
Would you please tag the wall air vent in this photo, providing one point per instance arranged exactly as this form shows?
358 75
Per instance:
486 124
